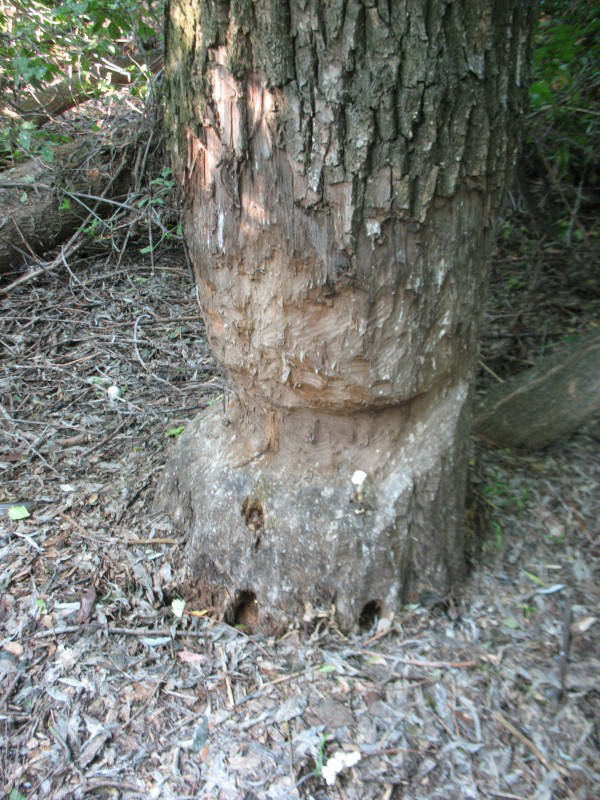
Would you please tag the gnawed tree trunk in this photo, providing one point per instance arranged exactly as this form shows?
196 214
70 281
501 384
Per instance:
342 165
32 220
553 399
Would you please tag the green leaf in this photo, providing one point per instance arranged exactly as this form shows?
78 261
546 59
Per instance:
41 604
175 431
534 578
15 794
65 205
327 668
47 153
18 512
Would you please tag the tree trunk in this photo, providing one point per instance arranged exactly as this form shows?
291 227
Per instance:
553 399
342 165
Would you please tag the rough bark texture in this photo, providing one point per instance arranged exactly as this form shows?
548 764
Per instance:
549 401
341 165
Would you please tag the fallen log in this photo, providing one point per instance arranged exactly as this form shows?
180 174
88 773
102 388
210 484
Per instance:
34 216
547 402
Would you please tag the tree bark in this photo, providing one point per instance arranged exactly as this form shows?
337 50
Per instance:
342 165
553 399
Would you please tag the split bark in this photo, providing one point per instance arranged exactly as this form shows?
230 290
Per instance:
541 405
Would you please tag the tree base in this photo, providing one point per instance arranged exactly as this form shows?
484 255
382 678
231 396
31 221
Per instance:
273 551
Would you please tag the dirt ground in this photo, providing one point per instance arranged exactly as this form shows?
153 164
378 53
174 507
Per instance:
111 687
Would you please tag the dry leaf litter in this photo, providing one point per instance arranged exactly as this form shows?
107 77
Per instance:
112 687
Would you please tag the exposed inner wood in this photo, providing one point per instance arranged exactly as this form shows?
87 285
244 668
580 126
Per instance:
341 168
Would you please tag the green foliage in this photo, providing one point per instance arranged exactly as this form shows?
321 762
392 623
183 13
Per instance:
501 494
21 139
320 759
46 41
565 93
41 39
41 605
175 432
160 193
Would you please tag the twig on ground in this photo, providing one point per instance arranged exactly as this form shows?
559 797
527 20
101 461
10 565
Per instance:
141 360
9 689
528 743
102 442
565 647
145 705
162 540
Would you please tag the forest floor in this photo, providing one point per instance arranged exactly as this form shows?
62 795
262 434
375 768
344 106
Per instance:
109 688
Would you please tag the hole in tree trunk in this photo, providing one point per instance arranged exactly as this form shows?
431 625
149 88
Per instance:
369 615
253 515
245 611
